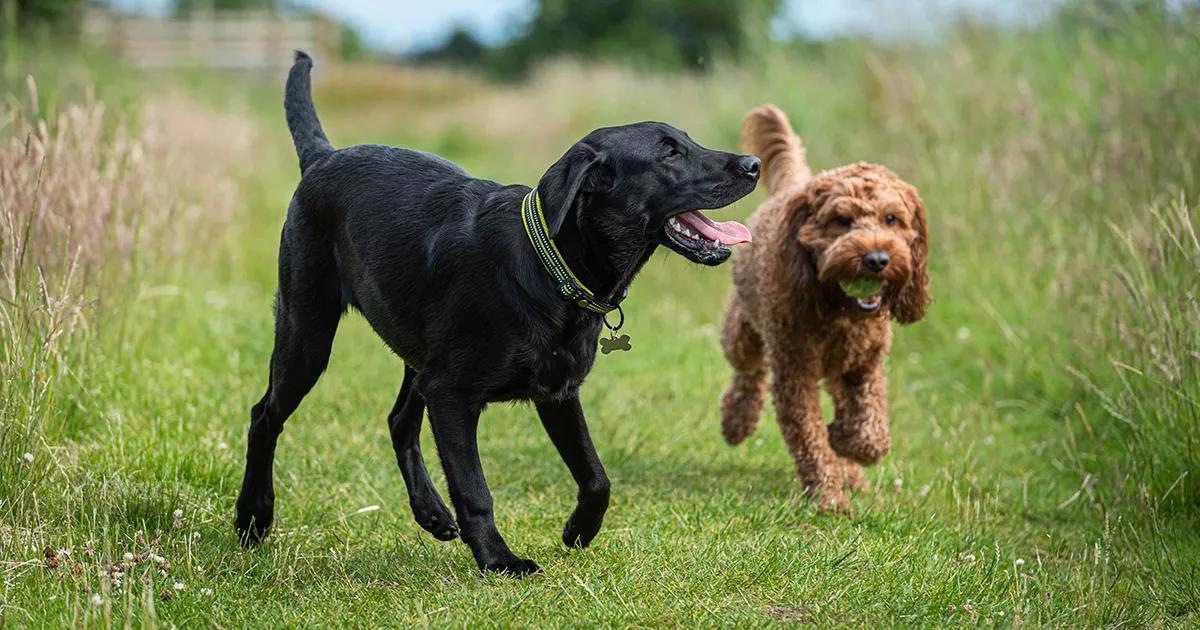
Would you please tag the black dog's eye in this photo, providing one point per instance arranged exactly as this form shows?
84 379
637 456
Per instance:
891 219
845 221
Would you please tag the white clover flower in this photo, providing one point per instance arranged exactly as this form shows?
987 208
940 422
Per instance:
969 557
180 586
178 513
27 458
207 592
158 559
1019 562
97 599
128 557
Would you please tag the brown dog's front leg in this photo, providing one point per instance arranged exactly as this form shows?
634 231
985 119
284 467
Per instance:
860 431
798 409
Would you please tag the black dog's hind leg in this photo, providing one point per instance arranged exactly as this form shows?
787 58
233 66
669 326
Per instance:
565 424
454 425
307 310
405 425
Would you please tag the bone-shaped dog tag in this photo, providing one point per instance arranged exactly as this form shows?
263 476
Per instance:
614 343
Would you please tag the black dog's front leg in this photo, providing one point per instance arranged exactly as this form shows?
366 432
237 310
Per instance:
454 426
568 430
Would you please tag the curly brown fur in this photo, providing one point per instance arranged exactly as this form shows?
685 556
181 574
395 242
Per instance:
789 316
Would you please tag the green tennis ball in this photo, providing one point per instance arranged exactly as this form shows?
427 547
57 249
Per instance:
861 288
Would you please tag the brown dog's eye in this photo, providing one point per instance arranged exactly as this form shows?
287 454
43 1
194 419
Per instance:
891 219
845 221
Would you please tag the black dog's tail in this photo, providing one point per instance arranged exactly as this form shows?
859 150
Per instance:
310 140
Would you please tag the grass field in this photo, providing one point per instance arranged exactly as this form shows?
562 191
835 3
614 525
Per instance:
1046 414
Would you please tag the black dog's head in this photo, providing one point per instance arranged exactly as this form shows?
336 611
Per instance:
643 185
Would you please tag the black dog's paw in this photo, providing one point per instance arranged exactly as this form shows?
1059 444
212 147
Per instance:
585 521
512 567
441 526
433 516
580 530
254 517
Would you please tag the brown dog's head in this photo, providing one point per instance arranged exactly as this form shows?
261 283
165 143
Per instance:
864 231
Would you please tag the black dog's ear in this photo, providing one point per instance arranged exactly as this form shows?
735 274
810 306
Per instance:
581 169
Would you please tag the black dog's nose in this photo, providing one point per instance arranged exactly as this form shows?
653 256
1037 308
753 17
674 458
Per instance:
876 260
749 165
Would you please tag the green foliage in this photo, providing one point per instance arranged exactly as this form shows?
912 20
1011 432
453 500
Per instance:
188 6
461 48
350 43
660 34
31 18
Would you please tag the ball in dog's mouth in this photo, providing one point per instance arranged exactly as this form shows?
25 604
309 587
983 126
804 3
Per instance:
866 291
701 239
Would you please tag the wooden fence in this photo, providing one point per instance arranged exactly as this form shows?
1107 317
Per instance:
243 40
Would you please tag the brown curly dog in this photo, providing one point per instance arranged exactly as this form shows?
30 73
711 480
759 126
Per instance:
791 315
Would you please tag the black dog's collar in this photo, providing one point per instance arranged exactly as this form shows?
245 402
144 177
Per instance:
570 288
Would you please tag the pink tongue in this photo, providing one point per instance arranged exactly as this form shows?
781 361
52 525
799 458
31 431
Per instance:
727 233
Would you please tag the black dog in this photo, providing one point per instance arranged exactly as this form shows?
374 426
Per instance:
441 266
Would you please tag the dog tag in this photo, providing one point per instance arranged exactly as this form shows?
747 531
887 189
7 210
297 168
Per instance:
615 343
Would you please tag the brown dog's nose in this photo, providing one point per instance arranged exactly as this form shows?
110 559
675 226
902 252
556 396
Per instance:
876 260
749 165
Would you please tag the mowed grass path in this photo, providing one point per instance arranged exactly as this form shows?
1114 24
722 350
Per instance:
960 525
983 513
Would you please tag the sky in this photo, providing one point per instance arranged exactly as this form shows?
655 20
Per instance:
399 26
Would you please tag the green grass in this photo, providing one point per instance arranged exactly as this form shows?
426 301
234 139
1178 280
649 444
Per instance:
1046 414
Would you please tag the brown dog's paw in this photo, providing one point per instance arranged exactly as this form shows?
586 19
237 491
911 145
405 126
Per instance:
853 477
739 417
828 493
834 503
864 444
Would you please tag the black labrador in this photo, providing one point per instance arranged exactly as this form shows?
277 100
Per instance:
441 266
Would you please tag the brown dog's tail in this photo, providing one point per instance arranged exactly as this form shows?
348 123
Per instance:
767 133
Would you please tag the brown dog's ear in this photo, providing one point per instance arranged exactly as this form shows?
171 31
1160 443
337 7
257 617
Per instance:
578 170
799 209
910 302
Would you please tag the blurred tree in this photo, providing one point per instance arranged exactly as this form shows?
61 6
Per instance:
61 16
460 49
350 43
187 6
670 34
1108 17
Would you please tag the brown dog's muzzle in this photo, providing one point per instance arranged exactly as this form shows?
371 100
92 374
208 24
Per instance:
866 253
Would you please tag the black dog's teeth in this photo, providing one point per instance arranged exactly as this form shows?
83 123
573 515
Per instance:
689 238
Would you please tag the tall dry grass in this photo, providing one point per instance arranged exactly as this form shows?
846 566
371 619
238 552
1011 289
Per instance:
1147 376
91 206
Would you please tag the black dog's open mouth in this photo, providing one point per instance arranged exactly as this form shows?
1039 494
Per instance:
701 239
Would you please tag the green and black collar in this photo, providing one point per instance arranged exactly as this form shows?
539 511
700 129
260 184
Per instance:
570 288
